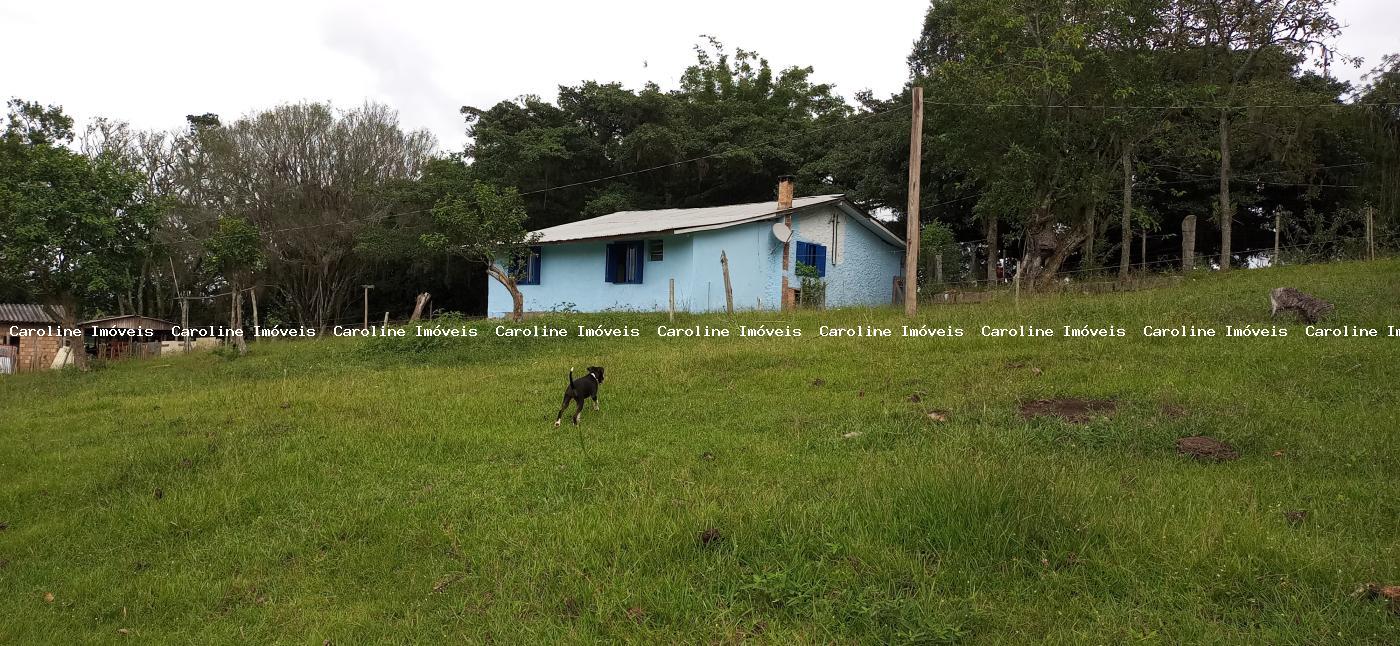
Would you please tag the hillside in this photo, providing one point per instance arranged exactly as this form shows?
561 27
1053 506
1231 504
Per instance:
770 489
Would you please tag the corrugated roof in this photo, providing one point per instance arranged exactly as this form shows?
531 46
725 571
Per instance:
134 320
26 313
629 223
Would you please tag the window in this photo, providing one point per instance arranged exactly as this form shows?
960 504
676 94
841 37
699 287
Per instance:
812 254
654 251
624 263
526 268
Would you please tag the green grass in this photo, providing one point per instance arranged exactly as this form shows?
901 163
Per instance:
376 490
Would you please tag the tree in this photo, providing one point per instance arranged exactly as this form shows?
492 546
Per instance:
741 122
936 241
69 225
1233 36
316 179
234 252
484 225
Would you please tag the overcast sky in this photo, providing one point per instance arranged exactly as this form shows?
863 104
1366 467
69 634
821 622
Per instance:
151 63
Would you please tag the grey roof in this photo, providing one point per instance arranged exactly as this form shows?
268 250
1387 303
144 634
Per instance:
26 313
134 320
631 223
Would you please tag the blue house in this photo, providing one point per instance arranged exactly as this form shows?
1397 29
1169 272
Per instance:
627 260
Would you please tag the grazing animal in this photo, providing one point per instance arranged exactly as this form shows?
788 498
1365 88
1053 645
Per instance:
585 387
1287 299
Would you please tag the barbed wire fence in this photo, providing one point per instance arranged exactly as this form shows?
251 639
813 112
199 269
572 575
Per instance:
1162 272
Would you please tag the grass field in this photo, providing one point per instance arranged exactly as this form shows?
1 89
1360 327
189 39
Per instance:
378 490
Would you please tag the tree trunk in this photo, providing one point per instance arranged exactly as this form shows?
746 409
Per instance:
938 268
236 319
1125 253
1227 213
1063 250
517 299
1091 215
418 305
992 251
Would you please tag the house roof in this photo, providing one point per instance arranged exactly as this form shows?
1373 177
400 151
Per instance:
661 221
26 313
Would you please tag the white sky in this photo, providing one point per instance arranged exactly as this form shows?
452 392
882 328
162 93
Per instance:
153 62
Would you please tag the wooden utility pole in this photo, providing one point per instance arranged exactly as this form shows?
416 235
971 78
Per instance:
911 231
1278 229
728 290
185 320
367 288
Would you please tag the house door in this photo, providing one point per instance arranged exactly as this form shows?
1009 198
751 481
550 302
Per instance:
9 359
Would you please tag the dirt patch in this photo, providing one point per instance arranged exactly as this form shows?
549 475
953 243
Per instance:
915 398
1295 516
1077 411
1206 448
710 536
818 382
1390 593
939 416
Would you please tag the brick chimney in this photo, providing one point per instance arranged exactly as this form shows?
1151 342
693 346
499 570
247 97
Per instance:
785 192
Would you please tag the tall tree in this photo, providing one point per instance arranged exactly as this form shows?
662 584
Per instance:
1233 36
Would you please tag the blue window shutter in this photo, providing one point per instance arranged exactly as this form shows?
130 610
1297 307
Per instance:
801 251
636 259
820 257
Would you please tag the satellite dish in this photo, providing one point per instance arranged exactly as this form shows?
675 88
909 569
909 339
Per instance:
781 232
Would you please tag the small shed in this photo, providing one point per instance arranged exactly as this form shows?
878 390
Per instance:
127 336
30 338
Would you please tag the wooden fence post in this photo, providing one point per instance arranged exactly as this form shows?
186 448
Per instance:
671 303
253 294
728 289
1371 233
1278 230
1017 281
1188 243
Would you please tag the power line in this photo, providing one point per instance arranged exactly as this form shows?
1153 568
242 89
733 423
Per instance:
865 116
804 133
1201 106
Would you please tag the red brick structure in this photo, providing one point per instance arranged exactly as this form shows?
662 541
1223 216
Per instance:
29 338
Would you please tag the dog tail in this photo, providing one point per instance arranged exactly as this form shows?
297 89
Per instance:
571 376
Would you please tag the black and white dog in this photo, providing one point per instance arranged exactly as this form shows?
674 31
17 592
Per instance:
585 387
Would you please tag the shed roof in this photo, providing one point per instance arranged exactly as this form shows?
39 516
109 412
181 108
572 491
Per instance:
127 321
27 313
633 223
